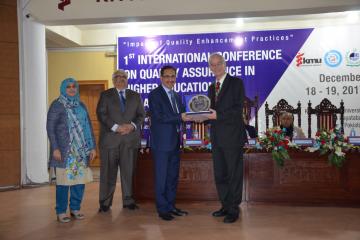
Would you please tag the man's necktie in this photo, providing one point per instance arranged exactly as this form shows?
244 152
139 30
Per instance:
217 89
174 106
122 100
173 101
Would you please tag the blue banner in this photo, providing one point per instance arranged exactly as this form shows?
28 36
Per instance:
259 58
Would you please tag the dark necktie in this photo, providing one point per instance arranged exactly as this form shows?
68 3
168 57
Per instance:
173 101
122 100
217 89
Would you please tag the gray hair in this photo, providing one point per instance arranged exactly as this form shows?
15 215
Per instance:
120 72
285 114
217 54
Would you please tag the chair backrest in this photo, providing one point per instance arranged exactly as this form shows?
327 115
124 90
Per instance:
326 115
281 106
248 106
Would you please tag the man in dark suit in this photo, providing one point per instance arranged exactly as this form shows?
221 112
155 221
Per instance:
121 114
250 130
227 137
166 113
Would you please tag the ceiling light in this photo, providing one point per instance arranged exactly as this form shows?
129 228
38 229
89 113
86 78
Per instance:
239 21
239 41
151 45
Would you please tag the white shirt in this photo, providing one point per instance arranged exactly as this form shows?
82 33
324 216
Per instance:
167 90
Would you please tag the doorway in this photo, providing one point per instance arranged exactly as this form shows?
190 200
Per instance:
89 94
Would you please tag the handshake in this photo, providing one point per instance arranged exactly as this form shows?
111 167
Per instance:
199 118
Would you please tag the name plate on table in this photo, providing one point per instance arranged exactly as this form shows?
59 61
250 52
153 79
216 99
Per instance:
354 141
251 142
193 142
143 143
197 104
306 142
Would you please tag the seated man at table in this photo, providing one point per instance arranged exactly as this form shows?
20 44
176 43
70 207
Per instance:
250 130
287 124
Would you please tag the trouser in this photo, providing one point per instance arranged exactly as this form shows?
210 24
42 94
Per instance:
166 164
62 196
228 171
123 157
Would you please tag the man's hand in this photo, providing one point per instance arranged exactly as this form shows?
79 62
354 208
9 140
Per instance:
57 155
185 117
199 118
126 128
211 115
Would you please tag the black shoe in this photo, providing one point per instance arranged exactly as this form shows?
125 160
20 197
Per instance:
230 218
178 212
104 208
131 206
166 216
220 213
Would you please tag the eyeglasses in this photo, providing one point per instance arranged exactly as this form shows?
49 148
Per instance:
120 76
70 86
216 64
169 76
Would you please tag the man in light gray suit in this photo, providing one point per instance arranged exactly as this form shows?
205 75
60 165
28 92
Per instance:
121 114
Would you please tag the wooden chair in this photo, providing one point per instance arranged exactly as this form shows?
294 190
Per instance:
326 114
281 106
248 106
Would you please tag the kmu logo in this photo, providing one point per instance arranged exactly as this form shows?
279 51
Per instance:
302 61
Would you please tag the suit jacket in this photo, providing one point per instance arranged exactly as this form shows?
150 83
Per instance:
228 129
164 121
251 131
109 113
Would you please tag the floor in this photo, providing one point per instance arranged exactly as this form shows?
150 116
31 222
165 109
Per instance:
29 214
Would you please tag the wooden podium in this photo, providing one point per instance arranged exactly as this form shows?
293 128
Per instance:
305 179
196 180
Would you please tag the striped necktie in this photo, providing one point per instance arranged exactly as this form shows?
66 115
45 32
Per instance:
217 89
173 101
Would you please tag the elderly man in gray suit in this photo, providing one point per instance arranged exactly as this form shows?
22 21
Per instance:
121 114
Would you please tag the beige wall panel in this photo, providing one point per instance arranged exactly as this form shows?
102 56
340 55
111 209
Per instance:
80 65
9 168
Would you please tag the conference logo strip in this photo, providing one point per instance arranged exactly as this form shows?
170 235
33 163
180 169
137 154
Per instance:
332 59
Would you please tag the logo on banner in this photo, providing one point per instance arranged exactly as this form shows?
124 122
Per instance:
63 3
302 61
333 58
353 58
